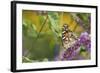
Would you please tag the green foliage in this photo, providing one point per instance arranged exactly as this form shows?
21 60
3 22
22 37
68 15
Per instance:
27 60
43 46
29 29
54 19
84 17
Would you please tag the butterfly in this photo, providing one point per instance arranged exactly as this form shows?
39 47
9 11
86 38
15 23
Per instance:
68 37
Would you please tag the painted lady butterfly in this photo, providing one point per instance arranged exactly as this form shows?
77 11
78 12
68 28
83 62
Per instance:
68 37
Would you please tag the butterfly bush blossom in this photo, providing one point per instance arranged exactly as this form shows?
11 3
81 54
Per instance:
73 52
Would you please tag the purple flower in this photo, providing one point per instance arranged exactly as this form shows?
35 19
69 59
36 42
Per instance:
88 47
72 53
84 37
85 41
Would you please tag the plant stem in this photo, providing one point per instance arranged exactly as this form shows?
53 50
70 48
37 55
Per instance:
42 26
77 19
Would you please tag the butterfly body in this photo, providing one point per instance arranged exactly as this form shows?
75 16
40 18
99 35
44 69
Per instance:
68 37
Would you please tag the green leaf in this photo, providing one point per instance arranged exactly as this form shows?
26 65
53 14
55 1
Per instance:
82 49
54 23
26 60
29 29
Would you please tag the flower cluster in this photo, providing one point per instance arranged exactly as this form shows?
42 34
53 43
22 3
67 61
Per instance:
83 43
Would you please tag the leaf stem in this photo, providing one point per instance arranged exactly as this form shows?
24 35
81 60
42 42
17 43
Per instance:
42 26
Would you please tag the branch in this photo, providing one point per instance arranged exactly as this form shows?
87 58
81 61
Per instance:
42 26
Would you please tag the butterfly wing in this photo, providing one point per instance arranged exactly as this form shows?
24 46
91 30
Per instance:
68 37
